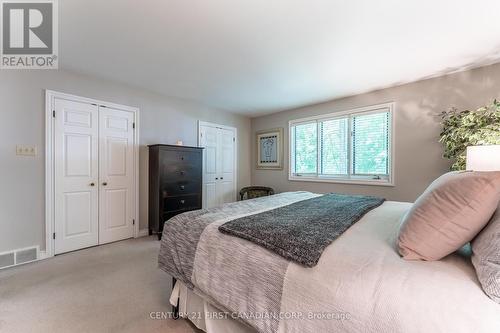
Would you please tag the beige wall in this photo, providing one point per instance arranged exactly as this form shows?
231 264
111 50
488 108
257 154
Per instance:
22 108
166 120
418 158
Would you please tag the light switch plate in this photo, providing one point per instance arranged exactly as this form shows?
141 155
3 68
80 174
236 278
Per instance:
26 150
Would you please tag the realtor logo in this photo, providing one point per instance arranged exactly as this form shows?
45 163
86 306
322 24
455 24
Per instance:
29 34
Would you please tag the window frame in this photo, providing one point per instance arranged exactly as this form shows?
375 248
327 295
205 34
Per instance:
349 178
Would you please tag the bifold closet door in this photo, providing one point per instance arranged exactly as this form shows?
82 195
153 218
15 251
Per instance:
218 165
76 175
94 175
116 167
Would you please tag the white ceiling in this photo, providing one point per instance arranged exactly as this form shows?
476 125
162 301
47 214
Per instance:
259 56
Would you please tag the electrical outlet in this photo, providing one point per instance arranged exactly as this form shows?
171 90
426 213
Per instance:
26 150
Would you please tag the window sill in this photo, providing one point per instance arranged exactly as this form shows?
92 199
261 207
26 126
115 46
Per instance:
343 181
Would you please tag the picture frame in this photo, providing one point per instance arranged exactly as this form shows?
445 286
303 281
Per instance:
270 149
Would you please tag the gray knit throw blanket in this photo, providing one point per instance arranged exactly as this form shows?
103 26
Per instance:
301 231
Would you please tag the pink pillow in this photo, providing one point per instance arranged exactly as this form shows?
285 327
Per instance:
486 257
449 214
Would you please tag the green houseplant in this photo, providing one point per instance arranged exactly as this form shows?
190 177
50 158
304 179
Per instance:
469 128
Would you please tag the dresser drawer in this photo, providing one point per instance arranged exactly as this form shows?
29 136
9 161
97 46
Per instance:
180 165
181 172
184 202
184 157
181 188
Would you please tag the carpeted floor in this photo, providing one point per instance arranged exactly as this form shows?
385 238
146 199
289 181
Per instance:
110 288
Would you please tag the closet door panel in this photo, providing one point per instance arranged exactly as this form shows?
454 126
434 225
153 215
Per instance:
76 175
226 167
116 167
209 140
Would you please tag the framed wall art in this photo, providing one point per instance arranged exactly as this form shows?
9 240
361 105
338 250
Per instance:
270 149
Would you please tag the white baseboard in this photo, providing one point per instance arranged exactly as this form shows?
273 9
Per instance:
43 255
143 233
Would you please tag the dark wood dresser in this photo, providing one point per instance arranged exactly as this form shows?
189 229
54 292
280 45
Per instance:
175 183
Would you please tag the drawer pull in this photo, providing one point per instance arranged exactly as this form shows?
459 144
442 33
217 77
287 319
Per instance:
182 173
183 201
182 187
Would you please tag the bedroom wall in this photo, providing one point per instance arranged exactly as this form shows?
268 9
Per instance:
22 108
418 152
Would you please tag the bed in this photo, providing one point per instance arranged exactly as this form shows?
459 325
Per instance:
360 283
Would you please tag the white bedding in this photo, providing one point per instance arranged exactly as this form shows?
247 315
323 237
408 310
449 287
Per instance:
362 274
361 284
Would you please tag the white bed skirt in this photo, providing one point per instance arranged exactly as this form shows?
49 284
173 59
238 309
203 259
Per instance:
202 314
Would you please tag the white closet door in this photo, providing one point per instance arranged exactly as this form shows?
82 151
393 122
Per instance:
209 140
226 145
218 165
76 175
116 167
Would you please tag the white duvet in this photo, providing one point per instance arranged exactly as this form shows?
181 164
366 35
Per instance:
362 275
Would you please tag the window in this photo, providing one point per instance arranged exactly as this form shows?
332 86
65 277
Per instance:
353 146
306 148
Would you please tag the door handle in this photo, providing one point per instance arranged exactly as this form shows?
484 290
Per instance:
221 178
217 178
104 184
92 184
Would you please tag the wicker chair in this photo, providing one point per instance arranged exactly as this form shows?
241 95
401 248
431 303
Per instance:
255 192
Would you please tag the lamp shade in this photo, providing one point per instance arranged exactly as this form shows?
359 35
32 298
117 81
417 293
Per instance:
483 158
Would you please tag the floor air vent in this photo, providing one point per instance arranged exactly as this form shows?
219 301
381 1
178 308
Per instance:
18 257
